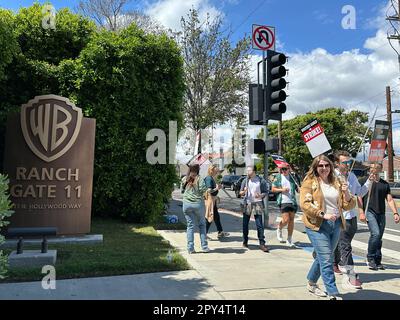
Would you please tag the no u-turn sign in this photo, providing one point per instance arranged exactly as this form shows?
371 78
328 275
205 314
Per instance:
263 37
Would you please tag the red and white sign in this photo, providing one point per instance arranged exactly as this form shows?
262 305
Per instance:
263 37
314 137
197 159
377 151
279 161
378 143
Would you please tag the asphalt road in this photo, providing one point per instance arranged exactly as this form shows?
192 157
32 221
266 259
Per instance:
391 239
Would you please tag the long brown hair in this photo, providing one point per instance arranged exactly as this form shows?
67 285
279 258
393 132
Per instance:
313 171
192 174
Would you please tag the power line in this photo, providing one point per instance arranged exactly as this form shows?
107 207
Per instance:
249 15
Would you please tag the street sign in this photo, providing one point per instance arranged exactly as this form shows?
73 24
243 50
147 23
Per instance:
263 37
315 139
378 143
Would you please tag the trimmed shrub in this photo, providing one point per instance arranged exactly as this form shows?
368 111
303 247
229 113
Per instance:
5 212
129 81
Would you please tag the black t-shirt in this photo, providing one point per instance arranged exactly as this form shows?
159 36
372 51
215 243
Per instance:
379 192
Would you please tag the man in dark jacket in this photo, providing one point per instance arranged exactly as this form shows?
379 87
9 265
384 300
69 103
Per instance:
254 189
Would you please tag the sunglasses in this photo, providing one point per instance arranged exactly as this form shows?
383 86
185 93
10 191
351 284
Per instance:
324 166
284 169
348 162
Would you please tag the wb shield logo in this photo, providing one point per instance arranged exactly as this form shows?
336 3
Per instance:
50 125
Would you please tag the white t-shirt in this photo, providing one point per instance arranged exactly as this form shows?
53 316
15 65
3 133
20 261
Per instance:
331 197
286 196
254 187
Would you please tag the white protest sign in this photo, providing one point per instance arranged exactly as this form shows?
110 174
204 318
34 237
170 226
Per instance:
315 139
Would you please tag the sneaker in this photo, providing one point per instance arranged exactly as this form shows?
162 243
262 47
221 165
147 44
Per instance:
264 248
315 290
355 281
206 250
372 265
191 251
290 243
342 269
208 237
336 269
380 266
279 235
223 234
334 297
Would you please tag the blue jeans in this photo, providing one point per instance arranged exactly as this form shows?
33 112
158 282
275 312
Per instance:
324 242
260 228
195 215
376 225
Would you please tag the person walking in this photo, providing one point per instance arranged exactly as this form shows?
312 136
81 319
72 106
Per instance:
193 189
343 262
372 210
212 213
285 185
323 198
254 189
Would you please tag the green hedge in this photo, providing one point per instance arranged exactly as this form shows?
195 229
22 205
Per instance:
130 82
5 212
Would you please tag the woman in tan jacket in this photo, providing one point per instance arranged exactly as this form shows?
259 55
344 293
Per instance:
322 200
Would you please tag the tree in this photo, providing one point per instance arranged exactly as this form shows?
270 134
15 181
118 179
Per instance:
8 41
344 131
104 12
111 15
142 21
216 73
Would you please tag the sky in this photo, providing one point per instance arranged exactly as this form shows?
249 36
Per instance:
329 65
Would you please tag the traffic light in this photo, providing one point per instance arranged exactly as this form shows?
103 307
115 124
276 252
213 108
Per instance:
256 104
275 95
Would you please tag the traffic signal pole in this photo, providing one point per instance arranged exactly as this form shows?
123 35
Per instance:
264 84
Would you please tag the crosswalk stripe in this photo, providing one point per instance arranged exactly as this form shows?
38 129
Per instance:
365 225
391 237
385 252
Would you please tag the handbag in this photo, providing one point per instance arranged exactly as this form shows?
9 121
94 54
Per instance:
243 206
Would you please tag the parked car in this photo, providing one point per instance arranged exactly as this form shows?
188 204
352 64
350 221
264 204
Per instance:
228 181
395 189
237 185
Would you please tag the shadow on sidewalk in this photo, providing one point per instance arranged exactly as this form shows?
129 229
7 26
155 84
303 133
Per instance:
376 277
386 265
366 294
229 250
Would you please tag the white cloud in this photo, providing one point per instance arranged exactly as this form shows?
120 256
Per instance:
170 12
352 79
319 79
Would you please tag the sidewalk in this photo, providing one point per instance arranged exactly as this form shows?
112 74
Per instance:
179 285
238 273
229 271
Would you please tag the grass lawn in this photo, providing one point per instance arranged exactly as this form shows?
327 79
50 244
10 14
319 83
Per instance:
126 249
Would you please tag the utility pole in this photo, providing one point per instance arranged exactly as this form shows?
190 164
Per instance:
280 137
390 136
396 35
